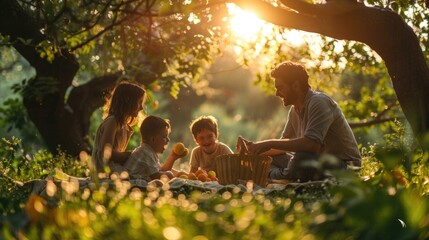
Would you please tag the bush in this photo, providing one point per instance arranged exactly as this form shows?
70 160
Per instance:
19 165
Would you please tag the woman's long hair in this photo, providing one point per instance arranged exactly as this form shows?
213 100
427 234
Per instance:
125 99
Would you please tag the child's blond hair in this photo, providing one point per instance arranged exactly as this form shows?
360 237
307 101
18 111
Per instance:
123 100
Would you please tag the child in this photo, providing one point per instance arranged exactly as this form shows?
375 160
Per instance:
144 161
205 132
113 134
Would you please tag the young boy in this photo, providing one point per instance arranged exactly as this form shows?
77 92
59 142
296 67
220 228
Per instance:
144 161
205 132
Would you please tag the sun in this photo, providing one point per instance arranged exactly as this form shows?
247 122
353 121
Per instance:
244 24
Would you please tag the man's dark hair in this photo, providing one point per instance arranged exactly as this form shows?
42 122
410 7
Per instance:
290 72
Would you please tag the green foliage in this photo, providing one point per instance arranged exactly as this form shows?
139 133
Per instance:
373 213
46 51
14 122
13 114
384 201
19 164
397 162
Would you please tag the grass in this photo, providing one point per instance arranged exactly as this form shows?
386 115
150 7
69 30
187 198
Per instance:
379 203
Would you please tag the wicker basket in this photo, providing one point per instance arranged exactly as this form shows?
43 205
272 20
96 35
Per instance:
233 167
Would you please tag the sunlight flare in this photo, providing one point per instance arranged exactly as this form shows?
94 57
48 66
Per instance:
244 24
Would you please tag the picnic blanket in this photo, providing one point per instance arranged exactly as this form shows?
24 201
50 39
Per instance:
73 184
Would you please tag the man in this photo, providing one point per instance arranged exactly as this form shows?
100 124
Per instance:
315 126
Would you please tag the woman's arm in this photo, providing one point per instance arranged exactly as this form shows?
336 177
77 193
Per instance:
107 141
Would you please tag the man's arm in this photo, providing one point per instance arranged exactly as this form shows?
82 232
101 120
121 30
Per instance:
274 152
290 145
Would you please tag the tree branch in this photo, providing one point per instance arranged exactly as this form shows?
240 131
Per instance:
111 26
330 8
392 105
90 96
372 122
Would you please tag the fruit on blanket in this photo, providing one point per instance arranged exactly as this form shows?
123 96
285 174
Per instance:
180 149
211 174
192 176
201 175
205 176
214 179
200 171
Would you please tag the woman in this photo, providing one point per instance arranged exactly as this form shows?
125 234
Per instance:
113 134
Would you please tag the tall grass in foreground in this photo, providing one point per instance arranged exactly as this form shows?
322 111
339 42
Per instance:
388 199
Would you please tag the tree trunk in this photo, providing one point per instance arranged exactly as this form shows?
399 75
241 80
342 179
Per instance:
63 125
382 30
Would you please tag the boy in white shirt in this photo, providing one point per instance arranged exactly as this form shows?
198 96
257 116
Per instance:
205 132
144 161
